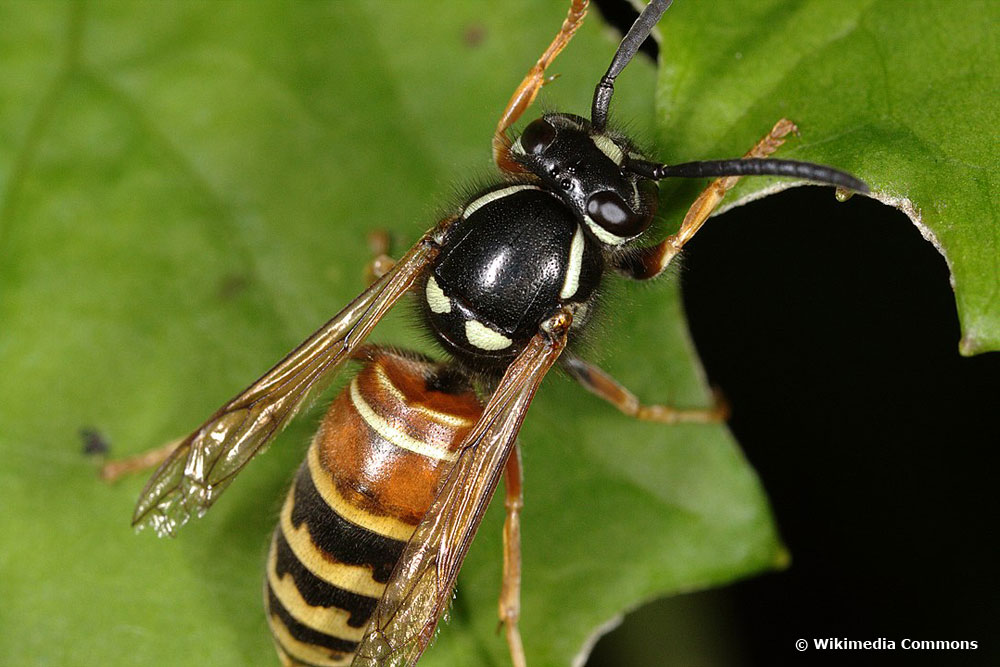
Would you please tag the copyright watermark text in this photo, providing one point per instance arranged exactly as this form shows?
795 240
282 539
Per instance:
884 644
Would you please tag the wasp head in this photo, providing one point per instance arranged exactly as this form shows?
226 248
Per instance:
586 168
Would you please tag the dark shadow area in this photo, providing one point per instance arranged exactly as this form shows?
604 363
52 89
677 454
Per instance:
621 14
832 330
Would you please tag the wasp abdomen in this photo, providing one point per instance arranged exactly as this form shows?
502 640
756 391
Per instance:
369 477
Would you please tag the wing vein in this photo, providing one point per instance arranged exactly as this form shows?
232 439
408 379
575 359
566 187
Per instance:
204 463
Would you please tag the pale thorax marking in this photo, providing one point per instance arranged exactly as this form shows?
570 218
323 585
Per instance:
572 281
477 204
481 336
436 299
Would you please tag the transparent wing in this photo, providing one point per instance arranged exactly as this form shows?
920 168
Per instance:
421 585
204 463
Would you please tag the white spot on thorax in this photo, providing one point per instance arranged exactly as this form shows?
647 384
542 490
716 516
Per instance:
572 281
485 338
436 298
477 204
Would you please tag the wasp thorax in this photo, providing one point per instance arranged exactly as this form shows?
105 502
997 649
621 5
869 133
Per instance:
588 170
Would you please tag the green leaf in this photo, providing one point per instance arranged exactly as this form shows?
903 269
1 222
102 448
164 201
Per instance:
899 93
186 190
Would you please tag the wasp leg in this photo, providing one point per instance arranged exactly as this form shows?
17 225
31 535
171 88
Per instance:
381 261
533 81
598 382
112 471
510 588
650 262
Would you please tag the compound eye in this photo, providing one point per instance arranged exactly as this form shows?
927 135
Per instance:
537 136
609 211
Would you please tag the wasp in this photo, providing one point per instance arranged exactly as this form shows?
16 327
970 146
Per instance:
395 483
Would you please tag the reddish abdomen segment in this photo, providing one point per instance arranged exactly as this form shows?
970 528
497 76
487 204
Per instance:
369 477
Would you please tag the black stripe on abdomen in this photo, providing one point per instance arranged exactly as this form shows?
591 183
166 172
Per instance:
342 540
304 633
319 593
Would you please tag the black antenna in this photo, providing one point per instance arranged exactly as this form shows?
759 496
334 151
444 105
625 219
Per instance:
748 167
636 35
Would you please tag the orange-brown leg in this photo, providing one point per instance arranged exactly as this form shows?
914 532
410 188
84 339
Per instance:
510 588
535 79
112 471
650 262
598 382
